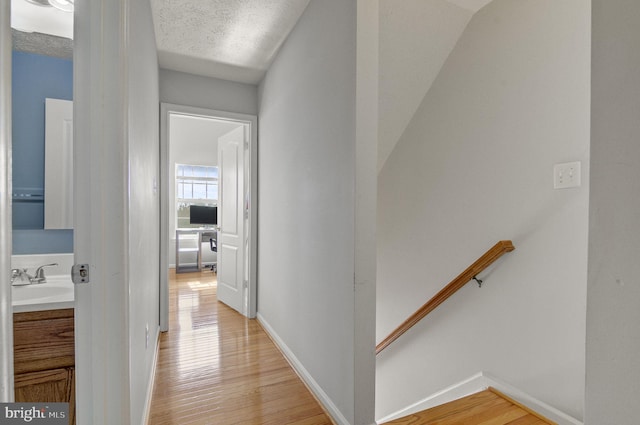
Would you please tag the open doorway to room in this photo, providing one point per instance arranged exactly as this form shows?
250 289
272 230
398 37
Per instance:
36 158
208 182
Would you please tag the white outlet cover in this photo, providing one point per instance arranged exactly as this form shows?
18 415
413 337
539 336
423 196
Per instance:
567 175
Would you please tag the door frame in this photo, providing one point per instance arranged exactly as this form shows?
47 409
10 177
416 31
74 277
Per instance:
250 291
6 311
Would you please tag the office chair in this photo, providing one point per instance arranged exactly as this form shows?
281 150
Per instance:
214 247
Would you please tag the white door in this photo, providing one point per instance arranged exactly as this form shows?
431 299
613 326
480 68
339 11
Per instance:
231 234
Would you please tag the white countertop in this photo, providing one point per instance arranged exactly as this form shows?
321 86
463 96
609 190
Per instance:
57 293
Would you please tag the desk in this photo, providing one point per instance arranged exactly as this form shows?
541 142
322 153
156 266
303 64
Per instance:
190 241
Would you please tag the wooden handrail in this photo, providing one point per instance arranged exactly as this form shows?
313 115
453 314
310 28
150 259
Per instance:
471 272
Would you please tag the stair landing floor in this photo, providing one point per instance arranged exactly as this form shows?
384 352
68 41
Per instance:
487 407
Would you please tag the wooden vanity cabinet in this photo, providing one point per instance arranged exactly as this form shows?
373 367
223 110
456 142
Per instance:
44 357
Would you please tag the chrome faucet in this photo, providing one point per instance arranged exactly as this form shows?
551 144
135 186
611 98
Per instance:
40 277
20 277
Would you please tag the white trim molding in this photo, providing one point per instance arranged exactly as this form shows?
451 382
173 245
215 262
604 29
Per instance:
251 161
154 366
311 383
480 382
6 314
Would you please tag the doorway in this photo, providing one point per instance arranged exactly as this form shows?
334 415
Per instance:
36 46
199 137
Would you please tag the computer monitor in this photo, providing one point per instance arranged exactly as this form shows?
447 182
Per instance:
202 215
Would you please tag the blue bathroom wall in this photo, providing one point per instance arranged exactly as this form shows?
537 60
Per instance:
42 241
34 78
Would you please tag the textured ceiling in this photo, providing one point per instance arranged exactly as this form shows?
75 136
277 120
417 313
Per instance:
230 39
43 30
42 44
28 17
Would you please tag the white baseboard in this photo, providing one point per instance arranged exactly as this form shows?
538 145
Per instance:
534 404
480 382
322 397
154 364
469 386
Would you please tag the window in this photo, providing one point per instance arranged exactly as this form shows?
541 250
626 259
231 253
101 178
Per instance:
195 185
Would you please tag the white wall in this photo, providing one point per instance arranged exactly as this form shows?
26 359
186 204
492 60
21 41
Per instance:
144 201
306 192
365 193
416 37
613 316
204 92
474 166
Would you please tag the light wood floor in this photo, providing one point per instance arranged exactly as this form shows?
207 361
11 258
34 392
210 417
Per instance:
216 367
484 408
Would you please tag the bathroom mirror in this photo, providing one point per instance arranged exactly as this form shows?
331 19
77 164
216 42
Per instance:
58 164
42 68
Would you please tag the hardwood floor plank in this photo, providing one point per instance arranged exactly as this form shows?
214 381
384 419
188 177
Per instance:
447 410
493 413
528 420
484 408
216 367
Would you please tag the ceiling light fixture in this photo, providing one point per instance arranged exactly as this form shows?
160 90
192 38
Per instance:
64 5
44 3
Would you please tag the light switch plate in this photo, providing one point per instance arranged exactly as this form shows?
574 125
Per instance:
566 175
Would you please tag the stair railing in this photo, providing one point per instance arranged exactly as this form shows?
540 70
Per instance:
466 276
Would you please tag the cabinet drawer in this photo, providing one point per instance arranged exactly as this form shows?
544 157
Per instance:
47 386
43 340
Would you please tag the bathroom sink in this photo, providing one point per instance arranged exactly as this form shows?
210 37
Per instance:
57 292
